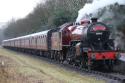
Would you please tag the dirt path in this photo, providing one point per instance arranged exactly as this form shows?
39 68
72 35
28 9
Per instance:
19 68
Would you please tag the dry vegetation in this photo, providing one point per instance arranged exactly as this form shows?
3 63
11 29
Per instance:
8 72
21 68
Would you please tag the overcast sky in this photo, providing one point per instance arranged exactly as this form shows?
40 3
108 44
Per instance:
16 8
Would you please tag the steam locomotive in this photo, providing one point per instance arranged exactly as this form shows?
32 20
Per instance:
87 44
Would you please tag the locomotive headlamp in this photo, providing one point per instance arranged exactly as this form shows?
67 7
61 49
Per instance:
118 55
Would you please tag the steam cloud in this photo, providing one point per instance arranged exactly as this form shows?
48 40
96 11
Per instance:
91 8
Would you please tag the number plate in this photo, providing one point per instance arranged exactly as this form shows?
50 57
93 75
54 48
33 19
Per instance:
98 33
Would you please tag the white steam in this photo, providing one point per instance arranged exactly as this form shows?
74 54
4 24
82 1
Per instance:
119 40
93 7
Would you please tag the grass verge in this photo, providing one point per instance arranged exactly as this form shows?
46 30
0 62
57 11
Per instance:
34 70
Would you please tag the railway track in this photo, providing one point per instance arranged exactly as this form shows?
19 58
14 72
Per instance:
120 78
115 76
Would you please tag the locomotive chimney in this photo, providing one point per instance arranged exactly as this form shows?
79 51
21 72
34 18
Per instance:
94 20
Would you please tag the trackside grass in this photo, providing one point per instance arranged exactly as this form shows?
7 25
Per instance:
23 68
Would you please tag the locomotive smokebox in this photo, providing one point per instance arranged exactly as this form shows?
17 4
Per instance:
97 32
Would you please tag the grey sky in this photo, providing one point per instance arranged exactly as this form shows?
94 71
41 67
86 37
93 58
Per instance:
16 8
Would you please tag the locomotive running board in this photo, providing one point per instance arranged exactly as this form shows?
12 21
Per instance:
121 51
